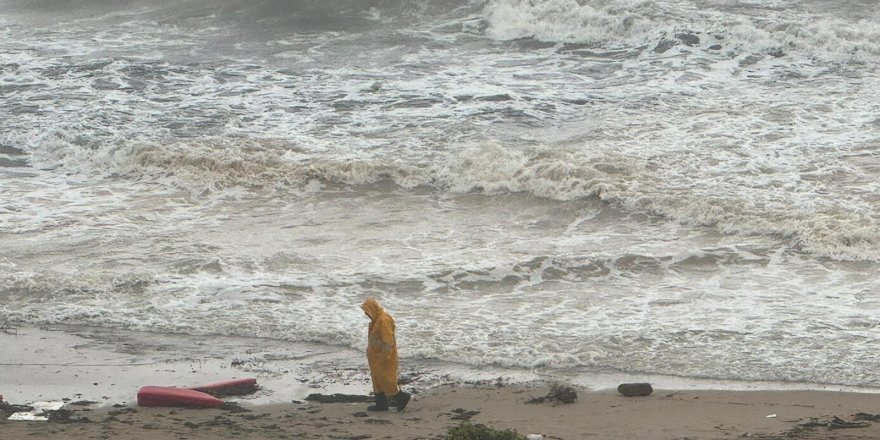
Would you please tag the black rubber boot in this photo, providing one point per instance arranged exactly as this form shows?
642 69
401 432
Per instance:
401 399
381 403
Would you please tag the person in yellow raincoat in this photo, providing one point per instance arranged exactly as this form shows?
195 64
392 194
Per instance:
382 357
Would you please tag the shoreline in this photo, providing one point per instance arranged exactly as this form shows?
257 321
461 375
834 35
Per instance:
109 365
97 372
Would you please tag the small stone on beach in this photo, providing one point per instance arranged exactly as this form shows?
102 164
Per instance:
635 389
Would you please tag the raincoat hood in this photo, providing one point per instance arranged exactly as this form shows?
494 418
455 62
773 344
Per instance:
372 308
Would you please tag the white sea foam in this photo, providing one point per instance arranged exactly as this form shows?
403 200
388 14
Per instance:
572 21
615 199
727 313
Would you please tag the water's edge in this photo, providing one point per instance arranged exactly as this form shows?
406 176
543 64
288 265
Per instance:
108 366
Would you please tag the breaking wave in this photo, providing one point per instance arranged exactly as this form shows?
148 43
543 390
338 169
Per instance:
765 26
826 226
655 24
827 229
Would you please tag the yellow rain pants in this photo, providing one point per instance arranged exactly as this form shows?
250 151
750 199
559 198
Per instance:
381 349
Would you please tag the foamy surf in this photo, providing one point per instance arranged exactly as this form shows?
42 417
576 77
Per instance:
644 187
760 27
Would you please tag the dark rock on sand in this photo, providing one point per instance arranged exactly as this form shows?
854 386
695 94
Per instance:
635 389
715 47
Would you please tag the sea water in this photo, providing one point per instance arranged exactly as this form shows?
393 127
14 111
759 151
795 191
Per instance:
669 187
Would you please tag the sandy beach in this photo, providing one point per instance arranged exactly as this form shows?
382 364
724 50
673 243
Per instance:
98 389
666 414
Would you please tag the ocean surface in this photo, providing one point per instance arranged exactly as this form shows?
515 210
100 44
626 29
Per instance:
669 187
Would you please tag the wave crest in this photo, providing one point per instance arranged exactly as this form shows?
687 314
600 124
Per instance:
831 224
824 228
489 168
647 24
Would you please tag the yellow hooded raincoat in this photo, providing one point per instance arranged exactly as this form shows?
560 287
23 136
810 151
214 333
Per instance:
381 349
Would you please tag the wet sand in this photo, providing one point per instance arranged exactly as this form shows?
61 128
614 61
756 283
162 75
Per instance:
602 415
100 387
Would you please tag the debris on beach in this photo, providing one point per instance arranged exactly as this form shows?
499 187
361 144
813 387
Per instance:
35 412
862 416
234 387
8 409
635 389
200 396
558 393
858 420
498 382
837 423
467 431
338 398
82 403
463 414
63 415
834 423
177 397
